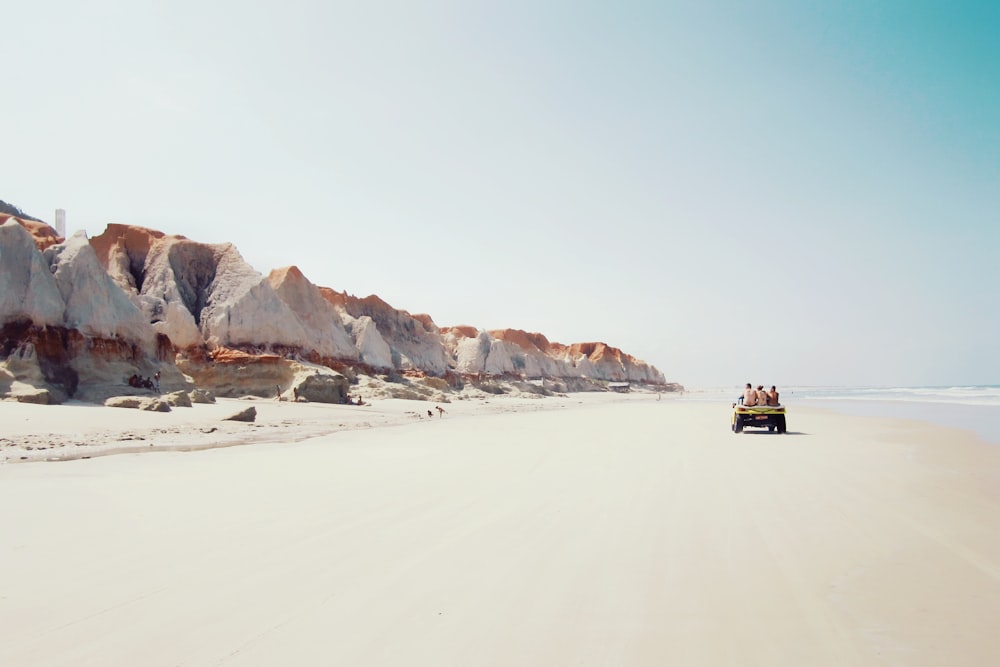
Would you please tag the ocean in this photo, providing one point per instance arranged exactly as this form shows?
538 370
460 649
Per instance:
975 408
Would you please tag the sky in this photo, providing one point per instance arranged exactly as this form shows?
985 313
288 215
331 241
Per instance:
779 192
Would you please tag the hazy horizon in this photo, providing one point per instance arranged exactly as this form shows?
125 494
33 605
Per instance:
800 195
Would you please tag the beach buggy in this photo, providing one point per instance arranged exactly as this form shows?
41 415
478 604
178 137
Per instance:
771 417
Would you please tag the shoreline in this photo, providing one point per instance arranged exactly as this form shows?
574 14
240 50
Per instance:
981 418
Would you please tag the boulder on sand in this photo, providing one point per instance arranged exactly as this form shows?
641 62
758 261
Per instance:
36 396
322 388
178 399
201 396
155 405
248 415
124 402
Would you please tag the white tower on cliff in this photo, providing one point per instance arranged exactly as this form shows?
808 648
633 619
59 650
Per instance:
61 222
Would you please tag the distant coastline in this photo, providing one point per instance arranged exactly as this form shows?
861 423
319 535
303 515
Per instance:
972 407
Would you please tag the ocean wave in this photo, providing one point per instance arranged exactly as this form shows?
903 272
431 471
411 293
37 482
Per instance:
981 395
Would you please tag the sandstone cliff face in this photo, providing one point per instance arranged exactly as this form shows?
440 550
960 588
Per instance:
142 261
86 312
93 304
609 363
320 320
243 310
469 348
529 352
27 289
43 235
517 352
206 294
68 330
372 348
414 343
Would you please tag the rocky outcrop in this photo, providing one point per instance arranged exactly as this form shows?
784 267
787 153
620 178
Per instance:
528 353
129 402
319 319
141 262
92 303
28 292
233 373
42 234
246 415
66 327
178 399
206 295
513 352
414 343
80 315
202 396
372 348
203 295
609 363
149 404
242 309
322 388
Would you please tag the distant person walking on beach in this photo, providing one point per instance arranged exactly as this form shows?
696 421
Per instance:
772 396
749 396
440 411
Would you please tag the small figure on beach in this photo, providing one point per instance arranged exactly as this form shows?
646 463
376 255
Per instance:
440 411
156 381
430 414
134 381
761 395
772 396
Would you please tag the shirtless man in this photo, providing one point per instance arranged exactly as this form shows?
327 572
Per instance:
749 396
772 396
761 395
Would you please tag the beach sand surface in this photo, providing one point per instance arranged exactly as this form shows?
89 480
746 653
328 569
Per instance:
575 531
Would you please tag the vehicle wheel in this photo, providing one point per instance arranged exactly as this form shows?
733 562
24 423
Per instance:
781 424
738 424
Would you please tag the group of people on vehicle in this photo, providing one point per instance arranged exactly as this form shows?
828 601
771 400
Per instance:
752 397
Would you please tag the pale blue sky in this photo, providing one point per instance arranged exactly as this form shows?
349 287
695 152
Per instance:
591 170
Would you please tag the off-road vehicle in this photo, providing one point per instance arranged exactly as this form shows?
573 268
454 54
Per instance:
771 417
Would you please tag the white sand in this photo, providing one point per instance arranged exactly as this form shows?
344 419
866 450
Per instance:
596 532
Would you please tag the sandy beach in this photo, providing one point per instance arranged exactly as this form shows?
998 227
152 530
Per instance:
586 530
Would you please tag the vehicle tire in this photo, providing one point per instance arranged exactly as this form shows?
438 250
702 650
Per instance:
738 424
781 424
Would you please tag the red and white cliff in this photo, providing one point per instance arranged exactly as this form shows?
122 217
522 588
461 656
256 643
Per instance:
159 298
